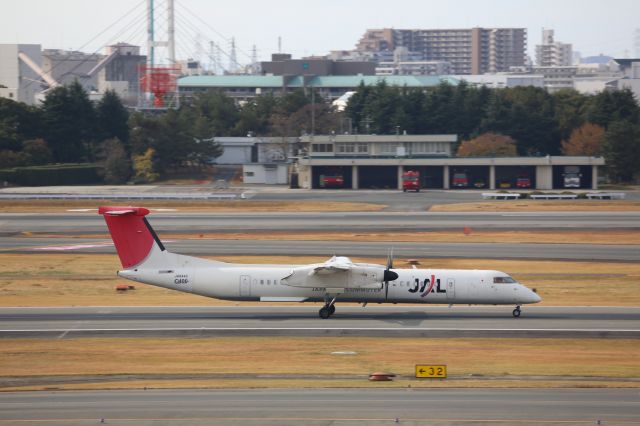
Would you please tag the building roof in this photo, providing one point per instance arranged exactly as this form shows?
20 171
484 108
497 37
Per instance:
231 81
626 63
320 82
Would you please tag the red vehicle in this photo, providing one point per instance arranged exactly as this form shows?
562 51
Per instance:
332 181
411 181
523 182
460 180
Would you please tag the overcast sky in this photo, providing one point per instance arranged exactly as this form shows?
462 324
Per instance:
313 27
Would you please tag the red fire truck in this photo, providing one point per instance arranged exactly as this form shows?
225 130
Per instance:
411 181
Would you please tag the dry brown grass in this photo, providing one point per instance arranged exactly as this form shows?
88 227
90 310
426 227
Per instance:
62 206
540 206
305 356
320 383
71 279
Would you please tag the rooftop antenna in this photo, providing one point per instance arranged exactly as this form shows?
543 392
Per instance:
279 44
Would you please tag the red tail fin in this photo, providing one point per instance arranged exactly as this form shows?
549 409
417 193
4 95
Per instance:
130 232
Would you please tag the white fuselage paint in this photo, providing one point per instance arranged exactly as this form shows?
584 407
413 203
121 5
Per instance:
265 282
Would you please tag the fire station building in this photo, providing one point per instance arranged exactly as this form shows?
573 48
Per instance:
379 161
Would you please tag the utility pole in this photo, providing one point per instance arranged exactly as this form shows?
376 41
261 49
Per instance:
313 111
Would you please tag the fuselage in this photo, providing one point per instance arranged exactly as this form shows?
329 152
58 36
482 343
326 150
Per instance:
265 283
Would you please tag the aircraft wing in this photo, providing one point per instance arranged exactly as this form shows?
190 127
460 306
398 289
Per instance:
337 272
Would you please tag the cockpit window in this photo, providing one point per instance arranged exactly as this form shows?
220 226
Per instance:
503 280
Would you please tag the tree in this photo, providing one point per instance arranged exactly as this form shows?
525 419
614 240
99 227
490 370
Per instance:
488 145
218 111
569 111
69 123
622 150
117 165
11 159
585 140
610 106
144 167
36 152
112 118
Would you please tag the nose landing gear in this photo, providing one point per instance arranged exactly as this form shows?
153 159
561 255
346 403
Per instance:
516 312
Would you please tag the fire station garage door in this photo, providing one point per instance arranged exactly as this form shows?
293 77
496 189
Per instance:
378 177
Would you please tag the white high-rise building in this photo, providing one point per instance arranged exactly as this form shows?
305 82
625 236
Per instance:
553 53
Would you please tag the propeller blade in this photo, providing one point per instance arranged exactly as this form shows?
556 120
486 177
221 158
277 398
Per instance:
390 259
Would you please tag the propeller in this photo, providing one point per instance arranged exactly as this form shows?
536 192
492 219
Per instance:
389 275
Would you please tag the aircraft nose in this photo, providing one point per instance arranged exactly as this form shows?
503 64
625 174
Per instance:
533 297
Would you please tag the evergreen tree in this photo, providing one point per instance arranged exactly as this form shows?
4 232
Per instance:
112 119
69 122
622 150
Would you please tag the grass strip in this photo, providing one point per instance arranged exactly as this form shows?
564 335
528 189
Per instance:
474 359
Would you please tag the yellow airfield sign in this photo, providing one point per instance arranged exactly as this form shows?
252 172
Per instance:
431 371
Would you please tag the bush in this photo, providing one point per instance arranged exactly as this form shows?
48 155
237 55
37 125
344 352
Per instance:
58 174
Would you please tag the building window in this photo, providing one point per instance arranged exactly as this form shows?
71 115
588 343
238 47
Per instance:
388 148
345 148
322 147
248 173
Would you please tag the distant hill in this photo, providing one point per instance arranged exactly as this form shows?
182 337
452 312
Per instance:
600 59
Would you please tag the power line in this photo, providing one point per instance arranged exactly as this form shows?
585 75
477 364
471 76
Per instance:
228 40
92 55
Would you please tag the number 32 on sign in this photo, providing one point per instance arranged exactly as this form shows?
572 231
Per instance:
431 371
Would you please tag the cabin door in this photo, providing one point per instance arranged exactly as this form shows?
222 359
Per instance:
245 285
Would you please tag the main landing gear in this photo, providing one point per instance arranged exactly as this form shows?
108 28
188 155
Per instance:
516 312
328 309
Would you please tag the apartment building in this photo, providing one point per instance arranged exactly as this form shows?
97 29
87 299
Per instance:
469 51
553 53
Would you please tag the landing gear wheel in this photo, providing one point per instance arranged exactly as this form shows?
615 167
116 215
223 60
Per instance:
516 312
325 313
332 309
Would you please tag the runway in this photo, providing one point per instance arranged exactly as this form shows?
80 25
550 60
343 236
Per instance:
324 407
209 247
90 222
302 320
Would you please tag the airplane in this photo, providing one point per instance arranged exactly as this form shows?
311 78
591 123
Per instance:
145 259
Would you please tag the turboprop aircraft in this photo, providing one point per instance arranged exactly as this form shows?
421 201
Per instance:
145 259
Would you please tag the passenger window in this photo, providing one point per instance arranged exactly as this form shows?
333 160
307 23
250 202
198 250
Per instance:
261 282
268 282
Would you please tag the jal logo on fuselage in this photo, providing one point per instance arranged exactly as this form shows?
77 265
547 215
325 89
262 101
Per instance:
427 286
181 279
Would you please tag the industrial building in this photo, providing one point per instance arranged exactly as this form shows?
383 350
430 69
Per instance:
242 87
19 78
283 64
378 162
28 72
